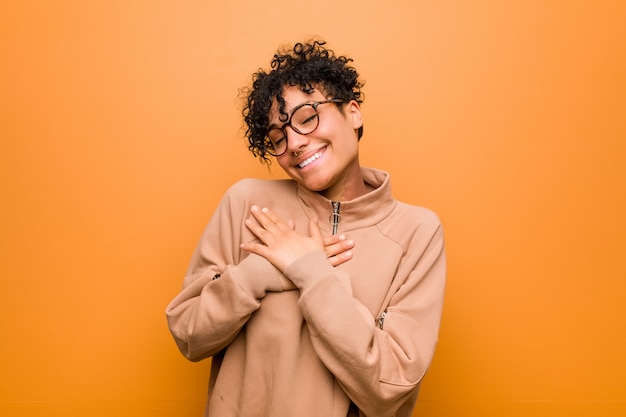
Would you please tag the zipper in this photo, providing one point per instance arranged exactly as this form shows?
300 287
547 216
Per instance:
335 218
381 319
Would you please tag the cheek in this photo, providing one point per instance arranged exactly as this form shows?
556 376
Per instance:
283 162
339 132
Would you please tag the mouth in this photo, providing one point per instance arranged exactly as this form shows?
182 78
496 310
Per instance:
317 155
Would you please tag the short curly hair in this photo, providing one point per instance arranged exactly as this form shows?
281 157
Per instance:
307 65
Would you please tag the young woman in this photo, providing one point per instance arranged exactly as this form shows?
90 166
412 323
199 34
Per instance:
320 295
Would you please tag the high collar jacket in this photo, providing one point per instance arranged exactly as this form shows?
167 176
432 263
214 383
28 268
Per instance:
352 340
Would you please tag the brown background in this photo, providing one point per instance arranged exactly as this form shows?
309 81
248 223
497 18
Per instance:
120 130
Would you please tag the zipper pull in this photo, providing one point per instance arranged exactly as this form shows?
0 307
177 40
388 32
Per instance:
335 218
381 319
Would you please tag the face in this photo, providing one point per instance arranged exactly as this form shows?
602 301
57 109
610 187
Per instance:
325 160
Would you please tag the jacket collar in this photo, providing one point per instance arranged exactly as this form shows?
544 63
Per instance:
364 211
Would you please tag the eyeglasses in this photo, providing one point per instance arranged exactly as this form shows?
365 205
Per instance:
304 119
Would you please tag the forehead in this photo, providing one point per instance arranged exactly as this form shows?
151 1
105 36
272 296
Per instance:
293 96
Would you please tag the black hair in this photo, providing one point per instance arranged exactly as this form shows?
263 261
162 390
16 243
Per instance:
307 65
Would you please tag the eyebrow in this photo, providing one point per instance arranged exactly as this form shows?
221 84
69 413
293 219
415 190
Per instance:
274 125
289 113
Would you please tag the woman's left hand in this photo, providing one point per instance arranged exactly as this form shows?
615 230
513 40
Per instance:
280 243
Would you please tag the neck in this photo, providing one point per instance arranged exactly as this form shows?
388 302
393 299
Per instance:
347 191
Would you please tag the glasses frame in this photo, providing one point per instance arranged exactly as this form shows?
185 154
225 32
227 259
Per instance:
315 105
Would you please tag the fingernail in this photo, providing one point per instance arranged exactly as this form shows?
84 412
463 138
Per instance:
264 209
254 208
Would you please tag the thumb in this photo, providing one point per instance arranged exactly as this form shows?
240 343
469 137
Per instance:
314 230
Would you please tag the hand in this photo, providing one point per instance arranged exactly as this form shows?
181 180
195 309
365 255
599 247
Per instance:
338 249
280 243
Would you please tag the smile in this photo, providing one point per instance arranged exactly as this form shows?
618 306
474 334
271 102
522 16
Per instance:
310 159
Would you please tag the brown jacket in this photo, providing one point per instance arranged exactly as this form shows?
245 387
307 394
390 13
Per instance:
353 340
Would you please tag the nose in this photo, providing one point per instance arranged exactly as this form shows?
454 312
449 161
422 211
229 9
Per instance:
295 140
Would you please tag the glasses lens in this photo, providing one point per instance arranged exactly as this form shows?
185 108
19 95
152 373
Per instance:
276 142
305 119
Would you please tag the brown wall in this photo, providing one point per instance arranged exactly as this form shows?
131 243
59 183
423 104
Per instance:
119 132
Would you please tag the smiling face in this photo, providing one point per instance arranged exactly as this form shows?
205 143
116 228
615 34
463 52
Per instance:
326 160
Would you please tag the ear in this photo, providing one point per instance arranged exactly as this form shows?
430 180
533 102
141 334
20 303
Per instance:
353 111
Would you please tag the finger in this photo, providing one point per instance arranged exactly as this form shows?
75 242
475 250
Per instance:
337 248
340 258
267 218
260 216
258 230
254 247
314 231
333 239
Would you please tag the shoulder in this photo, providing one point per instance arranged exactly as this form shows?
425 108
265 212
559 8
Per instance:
416 215
412 226
255 189
415 229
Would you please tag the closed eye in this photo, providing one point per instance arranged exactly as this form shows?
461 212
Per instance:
276 142
309 119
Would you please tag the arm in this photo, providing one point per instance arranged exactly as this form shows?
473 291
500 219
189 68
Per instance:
209 312
220 290
379 368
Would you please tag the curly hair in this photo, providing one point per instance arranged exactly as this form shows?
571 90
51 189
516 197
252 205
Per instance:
307 65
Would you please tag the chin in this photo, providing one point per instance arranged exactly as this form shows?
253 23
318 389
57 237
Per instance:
318 187
309 185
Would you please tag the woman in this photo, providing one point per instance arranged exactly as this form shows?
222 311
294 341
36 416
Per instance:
298 319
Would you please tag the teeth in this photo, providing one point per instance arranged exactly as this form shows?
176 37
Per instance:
309 160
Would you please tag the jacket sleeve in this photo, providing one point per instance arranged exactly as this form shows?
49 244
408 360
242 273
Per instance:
220 290
379 363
